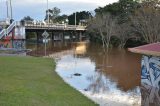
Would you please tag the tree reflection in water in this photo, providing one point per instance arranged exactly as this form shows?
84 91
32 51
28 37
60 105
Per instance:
98 84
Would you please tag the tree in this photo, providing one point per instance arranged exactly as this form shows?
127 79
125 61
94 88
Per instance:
53 13
83 15
104 24
121 9
61 19
146 21
27 18
122 32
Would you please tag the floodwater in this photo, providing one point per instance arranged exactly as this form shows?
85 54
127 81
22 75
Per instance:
110 79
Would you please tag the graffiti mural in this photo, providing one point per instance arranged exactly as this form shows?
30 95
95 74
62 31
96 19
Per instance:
150 95
15 44
150 81
150 74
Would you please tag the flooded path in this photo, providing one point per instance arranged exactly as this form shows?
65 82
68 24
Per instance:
110 79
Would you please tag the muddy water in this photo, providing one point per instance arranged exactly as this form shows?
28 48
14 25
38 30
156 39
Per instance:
110 79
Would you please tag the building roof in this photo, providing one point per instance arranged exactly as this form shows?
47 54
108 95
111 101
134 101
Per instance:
149 49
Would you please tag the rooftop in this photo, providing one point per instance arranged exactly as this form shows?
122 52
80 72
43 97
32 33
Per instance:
149 49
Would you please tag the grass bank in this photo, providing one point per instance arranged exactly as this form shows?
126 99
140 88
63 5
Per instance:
29 81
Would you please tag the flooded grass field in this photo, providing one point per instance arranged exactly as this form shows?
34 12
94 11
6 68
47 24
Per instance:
110 79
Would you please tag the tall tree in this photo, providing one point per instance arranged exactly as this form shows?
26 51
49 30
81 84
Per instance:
104 24
61 19
123 33
121 9
53 13
83 15
27 18
146 21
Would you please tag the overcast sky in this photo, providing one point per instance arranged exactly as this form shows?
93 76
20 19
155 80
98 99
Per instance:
36 8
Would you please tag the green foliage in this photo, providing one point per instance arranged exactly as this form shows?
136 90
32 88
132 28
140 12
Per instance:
29 81
61 19
53 14
136 22
27 18
121 9
83 15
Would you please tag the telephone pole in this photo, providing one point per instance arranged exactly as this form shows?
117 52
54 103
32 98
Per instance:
75 19
11 12
48 11
7 10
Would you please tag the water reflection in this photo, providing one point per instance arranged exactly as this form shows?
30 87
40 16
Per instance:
120 65
81 48
96 83
52 48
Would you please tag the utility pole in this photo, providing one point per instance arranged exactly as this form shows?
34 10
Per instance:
10 2
45 34
7 9
48 12
75 19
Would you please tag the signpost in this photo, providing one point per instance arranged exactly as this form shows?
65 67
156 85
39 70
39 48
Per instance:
45 35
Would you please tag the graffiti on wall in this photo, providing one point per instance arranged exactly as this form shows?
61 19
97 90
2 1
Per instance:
150 95
15 44
150 80
150 74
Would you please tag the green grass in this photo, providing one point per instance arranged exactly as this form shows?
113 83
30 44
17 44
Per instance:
29 81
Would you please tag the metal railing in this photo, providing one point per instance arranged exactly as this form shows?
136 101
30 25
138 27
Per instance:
2 33
6 32
32 25
10 28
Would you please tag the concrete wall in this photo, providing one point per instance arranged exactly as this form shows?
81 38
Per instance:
20 32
